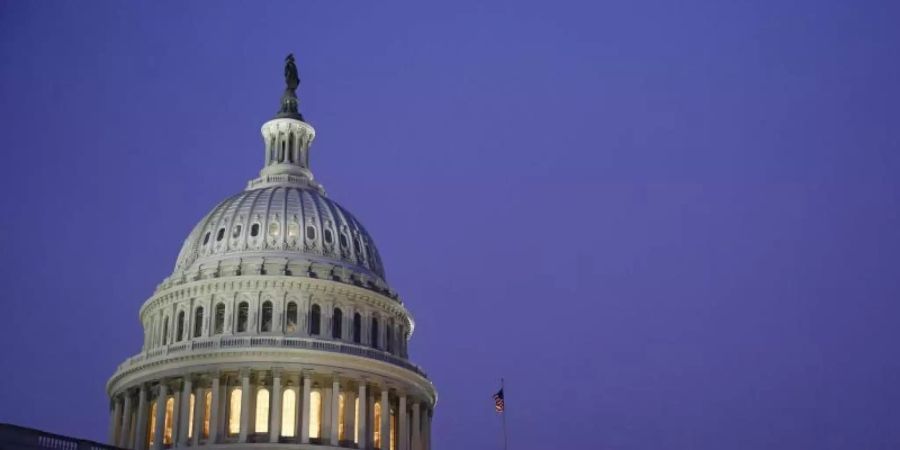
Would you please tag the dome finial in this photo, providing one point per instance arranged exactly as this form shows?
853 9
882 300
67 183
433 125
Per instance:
289 101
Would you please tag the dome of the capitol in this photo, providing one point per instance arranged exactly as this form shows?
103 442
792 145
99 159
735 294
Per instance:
276 329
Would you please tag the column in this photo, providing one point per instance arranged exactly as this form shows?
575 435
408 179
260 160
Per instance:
428 413
385 419
275 422
335 410
160 415
176 412
304 418
245 405
416 428
125 431
214 411
349 413
325 432
115 417
140 433
361 395
402 429
197 420
184 414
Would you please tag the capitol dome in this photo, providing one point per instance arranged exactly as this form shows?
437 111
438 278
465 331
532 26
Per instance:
277 328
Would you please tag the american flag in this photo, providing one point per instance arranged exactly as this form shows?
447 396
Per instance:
498 401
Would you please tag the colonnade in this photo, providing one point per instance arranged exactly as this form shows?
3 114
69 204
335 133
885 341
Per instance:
276 406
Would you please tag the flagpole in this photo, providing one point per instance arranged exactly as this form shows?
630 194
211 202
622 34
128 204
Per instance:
503 414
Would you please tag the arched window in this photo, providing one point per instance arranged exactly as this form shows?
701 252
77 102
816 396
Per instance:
219 326
389 337
290 321
179 327
262 411
234 411
337 320
329 237
266 324
273 229
198 322
290 147
376 428
288 412
220 234
315 314
310 232
206 238
236 231
243 310
342 411
151 425
254 230
392 423
207 410
165 335
167 424
293 230
357 328
356 420
374 338
315 414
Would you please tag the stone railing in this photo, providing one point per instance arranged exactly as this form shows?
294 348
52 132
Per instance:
239 342
16 437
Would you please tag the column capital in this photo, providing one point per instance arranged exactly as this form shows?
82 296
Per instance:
276 372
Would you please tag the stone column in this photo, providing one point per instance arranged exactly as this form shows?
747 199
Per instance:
335 410
307 410
160 415
214 411
325 431
361 412
140 432
245 405
403 428
184 415
349 413
115 416
197 420
176 412
385 419
416 428
125 432
428 413
275 422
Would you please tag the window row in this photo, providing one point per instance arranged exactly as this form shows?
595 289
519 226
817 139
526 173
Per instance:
395 336
293 231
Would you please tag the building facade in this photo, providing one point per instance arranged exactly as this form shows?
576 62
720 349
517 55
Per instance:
277 328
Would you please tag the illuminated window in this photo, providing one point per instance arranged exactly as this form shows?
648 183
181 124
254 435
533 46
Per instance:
315 413
167 424
266 319
236 231
342 408
393 426
293 230
234 411
262 411
374 337
273 229
219 326
376 425
179 327
356 420
291 319
207 410
357 328
243 309
337 320
288 412
191 401
315 317
198 322
151 425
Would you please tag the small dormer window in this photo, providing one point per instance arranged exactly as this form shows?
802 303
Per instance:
343 238
206 238
329 237
310 232
220 234
273 229
254 230
293 230
236 231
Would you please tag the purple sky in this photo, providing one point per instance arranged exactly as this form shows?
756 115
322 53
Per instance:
669 225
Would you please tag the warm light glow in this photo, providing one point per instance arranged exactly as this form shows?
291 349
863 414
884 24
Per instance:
191 417
207 410
288 413
262 411
273 229
234 416
151 435
376 425
315 415
167 423
393 426
341 409
293 230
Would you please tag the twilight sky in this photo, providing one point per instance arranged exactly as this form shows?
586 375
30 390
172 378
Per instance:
669 225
